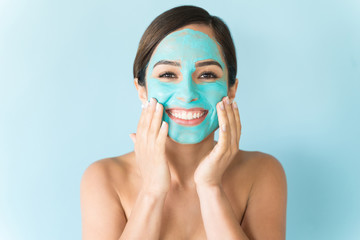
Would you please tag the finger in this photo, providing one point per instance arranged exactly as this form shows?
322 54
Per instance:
148 118
237 120
232 124
142 118
223 127
161 138
133 137
156 122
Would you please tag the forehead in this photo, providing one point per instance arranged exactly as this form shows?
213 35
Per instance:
187 45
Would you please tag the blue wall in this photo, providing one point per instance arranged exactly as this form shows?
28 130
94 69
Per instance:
67 99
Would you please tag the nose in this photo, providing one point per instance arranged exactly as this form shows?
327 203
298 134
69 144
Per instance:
186 100
187 91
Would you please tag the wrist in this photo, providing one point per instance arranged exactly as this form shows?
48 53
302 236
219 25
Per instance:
208 186
153 194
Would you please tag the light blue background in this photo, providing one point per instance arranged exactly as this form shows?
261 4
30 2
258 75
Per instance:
67 99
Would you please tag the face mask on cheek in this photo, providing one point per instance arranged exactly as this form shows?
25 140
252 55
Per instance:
190 108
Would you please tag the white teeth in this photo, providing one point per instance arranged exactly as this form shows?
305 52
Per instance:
183 115
186 115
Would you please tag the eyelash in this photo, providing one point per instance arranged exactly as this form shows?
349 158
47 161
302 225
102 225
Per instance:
207 73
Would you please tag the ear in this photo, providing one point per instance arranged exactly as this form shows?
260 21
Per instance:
232 90
141 91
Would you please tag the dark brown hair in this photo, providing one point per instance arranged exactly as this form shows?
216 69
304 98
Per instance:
176 18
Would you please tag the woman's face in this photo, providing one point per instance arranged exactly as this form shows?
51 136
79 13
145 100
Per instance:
187 75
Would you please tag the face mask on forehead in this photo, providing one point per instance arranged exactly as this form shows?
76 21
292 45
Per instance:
189 100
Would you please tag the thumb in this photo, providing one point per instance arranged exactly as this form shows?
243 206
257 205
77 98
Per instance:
133 137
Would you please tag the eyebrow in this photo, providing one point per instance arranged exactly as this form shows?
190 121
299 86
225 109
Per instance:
176 64
166 62
206 63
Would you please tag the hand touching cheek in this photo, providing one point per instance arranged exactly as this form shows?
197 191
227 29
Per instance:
213 166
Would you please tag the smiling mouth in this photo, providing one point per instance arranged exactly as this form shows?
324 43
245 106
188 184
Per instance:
187 117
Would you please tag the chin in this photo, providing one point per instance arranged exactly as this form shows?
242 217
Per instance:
188 139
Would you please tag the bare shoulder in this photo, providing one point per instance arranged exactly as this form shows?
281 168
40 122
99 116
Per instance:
269 173
108 164
257 161
102 213
112 169
265 215
261 169
265 163
254 165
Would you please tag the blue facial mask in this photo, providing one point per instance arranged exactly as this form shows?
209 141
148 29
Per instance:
187 96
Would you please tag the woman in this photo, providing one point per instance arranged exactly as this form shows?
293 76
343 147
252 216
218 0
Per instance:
179 183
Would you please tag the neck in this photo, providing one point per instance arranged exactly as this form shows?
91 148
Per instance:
183 160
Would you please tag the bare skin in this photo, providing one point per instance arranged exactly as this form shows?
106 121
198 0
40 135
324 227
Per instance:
253 183
181 213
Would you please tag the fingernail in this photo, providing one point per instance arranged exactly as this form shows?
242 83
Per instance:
227 100
152 101
223 127
235 105
163 124
146 104
157 107
221 105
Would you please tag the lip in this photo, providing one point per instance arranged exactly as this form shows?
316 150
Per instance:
192 122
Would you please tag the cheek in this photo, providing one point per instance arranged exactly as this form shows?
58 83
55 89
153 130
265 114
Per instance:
160 91
214 92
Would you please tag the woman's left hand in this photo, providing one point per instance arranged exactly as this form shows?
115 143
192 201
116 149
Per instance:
212 167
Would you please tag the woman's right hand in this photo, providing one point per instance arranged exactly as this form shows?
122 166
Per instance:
149 143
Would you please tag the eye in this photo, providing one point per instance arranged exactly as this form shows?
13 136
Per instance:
167 75
208 75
